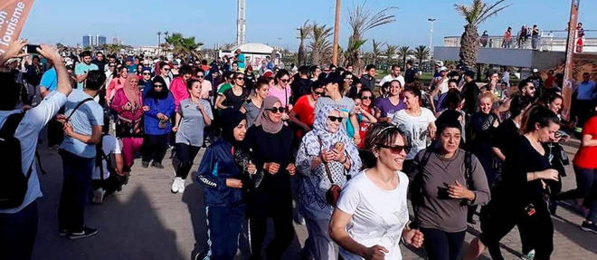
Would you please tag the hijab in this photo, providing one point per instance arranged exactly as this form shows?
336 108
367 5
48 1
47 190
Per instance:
263 119
321 138
158 95
231 118
132 93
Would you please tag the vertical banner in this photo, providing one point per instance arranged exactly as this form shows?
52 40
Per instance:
567 89
13 14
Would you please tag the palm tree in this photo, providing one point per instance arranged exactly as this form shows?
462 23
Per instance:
361 20
376 50
320 44
184 47
304 33
474 15
404 52
421 53
227 46
390 52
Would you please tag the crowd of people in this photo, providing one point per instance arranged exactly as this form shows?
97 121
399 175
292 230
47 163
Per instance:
324 146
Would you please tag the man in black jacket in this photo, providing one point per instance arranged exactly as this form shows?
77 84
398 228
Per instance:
368 79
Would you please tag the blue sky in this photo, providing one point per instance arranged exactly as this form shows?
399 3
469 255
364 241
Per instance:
275 21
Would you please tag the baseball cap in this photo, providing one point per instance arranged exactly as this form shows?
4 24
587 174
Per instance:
535 70
443 69
439 63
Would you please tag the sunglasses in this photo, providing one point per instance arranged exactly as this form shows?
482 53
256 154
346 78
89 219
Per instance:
395 149
166 69
319 93
240 78
277 109
285 80
158 86
200 76
366 97
146 73
335 118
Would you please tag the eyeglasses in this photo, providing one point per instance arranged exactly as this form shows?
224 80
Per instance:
397 149
319 93
158 86
200 76
335 118
277 109
366 97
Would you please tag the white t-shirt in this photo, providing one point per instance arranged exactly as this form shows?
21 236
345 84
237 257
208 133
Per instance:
417 126
378 215
110 145
389 78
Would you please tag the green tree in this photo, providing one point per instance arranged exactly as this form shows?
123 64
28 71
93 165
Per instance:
421 53
361 19
474 15
304 34
184 47
320 45
377 50
404 52
390 52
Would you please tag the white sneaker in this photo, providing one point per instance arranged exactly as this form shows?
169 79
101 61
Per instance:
98 196
175 185
181 185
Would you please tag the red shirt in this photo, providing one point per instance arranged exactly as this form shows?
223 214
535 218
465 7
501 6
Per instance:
304 112
363 126
586 157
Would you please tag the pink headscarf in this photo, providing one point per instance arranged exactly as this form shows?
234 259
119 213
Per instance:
133 94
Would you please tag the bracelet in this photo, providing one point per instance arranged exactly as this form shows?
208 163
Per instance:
345 160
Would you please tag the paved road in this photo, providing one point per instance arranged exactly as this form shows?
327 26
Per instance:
147 221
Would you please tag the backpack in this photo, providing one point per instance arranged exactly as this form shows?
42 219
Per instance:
114 182
13 181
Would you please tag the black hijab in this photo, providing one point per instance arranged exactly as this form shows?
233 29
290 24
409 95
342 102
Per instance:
158 95
231 118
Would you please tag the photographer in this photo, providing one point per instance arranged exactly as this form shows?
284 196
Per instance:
18 225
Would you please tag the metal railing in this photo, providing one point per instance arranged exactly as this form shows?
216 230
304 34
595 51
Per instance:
546 42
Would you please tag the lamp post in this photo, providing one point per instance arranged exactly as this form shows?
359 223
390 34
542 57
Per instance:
431 20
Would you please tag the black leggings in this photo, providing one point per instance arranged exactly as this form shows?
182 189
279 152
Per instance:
185 154
441 245
283 233
154 148
499 217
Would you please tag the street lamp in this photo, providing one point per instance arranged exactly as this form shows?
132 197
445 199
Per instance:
431 20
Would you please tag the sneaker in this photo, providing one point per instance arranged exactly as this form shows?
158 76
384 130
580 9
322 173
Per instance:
85 232
589 227
529 256
145 164
98 196
175 185
63 232
157 165
181 185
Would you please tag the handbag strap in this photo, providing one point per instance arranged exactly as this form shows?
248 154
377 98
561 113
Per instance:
325 164
77 107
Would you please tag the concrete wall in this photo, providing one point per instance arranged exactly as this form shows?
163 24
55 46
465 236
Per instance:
505 57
